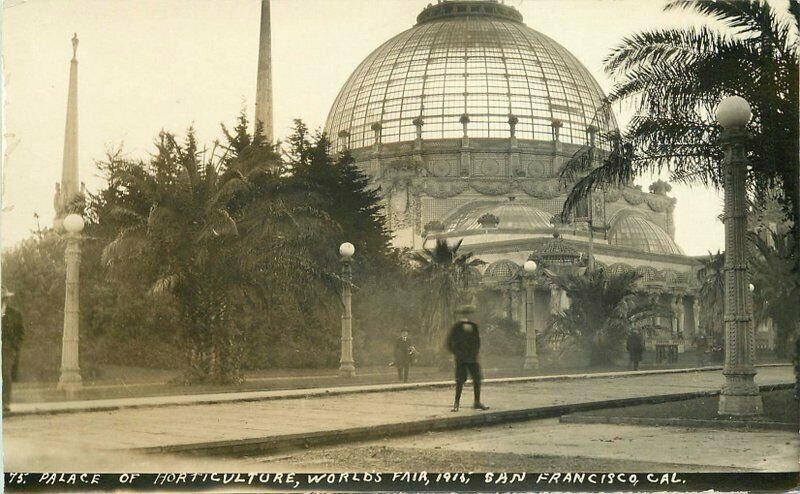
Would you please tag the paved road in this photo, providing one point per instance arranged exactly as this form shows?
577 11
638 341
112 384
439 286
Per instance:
85 437
547 445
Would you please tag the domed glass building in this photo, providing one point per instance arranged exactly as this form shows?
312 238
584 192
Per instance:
474 59
465 120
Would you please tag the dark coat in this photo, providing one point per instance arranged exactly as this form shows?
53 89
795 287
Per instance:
13 332
635 345
402 352
463 343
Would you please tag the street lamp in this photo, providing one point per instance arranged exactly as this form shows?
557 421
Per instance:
739 395
70 380
531 357
346 365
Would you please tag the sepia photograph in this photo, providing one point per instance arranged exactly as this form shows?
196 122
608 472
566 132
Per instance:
400 245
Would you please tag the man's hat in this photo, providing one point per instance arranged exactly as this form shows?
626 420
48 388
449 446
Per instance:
465 309
5 293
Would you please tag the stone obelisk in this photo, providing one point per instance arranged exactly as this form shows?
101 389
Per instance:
264 81
68 190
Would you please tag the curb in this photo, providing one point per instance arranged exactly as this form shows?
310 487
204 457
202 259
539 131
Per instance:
668 422
743 424
272 444
253 396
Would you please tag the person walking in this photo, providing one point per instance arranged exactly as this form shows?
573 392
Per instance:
12 332
635 347
464 342
403 351
701 344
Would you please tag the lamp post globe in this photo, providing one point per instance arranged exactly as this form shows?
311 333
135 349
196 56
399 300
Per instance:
347 250
530 266
733 112
73 223
752 288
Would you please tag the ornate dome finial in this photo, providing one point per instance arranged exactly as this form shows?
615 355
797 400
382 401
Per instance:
458 8
74 45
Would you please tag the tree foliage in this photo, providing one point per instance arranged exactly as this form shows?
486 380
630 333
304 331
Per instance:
224 235
603 310
712 295
675 78
776 286
446 277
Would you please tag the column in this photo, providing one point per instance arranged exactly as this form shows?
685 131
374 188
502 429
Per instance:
515 167
466 157
555 300
531 357
739 395
70 379
346 364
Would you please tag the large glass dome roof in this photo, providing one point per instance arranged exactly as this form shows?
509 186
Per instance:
473 58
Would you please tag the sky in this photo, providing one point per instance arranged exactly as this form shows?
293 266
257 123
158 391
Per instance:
148 65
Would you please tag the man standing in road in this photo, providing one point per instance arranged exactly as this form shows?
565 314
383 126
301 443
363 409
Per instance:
464 342
402 355
12 333
635 347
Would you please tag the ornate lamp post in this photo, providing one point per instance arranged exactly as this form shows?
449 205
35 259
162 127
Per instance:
70 380
346 365
531 357
739 395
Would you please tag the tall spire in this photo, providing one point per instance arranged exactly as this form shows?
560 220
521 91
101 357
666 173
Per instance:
68 189
264 82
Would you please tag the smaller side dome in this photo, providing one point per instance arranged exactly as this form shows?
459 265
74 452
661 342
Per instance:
500 271
636 232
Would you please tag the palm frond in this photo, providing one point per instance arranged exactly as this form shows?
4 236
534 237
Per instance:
129 244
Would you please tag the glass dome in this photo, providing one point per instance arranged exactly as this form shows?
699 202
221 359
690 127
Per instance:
512 215
638 233
500 271
473 58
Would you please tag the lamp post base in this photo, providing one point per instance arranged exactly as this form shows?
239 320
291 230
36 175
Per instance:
740 396
347 369
70 382
531 362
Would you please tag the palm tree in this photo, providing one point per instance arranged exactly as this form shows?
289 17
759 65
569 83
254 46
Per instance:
603 310
447 275
674 78
215 237
712 294
776 287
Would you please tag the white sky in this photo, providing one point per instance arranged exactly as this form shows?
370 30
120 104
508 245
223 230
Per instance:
147 65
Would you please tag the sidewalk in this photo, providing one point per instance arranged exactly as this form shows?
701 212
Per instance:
237 424
96 405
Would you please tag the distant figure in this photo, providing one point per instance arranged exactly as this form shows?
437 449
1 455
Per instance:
464 342
13 331
635 347
701 344
403 351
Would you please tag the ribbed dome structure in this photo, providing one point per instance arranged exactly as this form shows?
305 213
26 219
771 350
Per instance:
558 252
500 271
468 58
512 215
638 233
